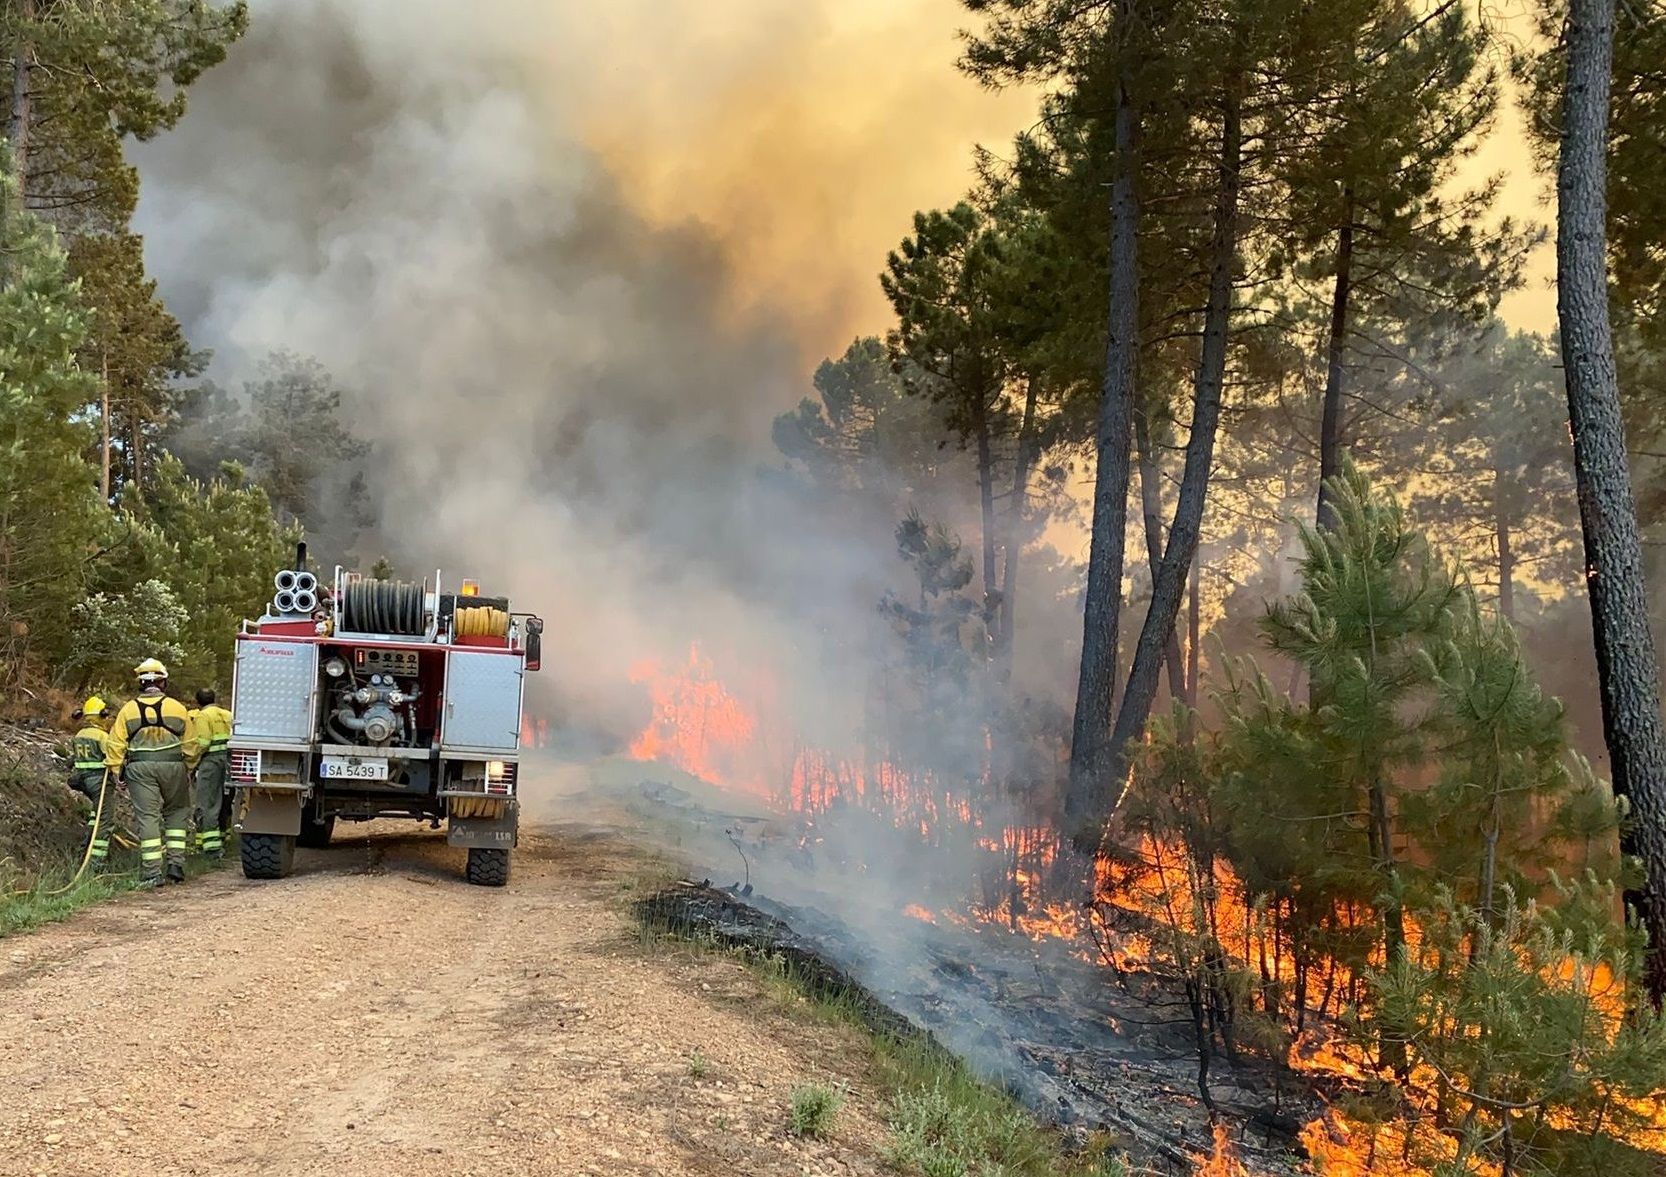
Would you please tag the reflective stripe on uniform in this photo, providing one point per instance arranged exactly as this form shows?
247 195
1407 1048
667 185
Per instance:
169 753
175 839
90 765
150 850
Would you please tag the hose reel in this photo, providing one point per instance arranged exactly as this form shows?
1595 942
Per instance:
384 606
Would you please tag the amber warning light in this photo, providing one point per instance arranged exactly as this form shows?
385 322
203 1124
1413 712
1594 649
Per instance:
471 588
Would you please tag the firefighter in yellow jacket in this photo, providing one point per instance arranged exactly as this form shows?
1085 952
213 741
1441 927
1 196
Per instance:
87 776
213 724
152 745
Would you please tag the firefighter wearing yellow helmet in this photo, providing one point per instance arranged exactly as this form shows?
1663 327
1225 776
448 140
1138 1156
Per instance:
87 775
152 746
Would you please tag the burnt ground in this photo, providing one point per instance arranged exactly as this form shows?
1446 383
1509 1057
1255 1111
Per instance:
1081 1046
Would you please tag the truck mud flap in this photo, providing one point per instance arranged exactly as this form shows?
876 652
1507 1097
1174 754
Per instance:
499 833
269 811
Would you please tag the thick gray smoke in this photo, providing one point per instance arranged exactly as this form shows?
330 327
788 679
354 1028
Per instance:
570 259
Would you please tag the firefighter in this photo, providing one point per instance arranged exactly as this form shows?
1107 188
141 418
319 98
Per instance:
152 745
213 724
88 774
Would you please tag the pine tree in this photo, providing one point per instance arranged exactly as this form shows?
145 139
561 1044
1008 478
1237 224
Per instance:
949 344
1419 841
1405 96
214 545
1627 667
85 76
50 526
138 351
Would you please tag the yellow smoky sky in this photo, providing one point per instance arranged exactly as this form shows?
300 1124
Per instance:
799 136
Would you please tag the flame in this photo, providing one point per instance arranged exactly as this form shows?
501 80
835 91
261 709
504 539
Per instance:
1223 1160
1185 907
698 726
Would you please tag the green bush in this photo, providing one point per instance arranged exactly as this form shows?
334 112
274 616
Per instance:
814 1108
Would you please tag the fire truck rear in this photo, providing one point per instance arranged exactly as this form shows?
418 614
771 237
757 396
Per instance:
376 698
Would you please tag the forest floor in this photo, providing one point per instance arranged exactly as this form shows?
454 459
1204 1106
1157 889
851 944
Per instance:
373 1014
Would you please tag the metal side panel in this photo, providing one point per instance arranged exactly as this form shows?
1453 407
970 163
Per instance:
272 695
482 702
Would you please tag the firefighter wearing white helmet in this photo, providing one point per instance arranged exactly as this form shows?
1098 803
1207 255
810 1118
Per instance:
152 746
88 774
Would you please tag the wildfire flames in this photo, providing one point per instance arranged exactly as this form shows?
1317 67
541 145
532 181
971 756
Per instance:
1223 1161
700 726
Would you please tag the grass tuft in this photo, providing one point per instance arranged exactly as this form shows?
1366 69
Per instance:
815 1106
698 1065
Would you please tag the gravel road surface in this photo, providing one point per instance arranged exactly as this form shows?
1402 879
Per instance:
375 1015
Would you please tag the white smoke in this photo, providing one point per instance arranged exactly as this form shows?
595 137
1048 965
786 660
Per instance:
571 259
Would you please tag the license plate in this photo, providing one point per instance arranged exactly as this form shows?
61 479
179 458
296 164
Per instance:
351 768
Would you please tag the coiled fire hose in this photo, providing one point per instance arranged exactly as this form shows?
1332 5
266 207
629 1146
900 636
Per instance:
481 621
383 606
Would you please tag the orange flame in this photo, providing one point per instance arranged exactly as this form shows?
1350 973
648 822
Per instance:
698 726
1223 1161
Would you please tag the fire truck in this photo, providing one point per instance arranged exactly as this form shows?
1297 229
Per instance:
372 698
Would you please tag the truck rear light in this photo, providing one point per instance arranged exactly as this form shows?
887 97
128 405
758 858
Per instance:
500 777
244 764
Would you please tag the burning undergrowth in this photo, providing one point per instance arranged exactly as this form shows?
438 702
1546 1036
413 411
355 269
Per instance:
1369 927
1085 1047
1371 931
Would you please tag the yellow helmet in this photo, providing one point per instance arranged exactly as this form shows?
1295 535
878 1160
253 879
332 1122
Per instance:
93 707
149 670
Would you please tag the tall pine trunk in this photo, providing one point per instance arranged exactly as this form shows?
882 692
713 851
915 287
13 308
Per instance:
1151 506
1626 666
1194 635
1506 547
17 126
1170 585
1012 543
1090 747
1330 425
104 422
986 506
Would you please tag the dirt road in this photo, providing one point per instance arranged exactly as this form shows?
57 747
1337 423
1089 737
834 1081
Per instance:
374 1015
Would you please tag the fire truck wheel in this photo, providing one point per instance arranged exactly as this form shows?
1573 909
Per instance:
267 856
315 834
488 868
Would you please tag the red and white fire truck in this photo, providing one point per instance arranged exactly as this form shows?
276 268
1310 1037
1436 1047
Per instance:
375 698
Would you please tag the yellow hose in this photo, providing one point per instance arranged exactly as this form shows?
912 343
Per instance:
467 807
481 621
92 836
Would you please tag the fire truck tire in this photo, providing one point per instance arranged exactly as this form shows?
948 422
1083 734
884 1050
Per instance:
487 867
267 856
315 835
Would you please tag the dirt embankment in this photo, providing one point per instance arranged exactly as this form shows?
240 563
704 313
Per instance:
375 1015
42 822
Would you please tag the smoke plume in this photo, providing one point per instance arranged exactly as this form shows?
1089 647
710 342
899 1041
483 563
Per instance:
571 259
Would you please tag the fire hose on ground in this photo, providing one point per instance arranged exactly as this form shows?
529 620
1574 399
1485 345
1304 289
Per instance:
92 837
